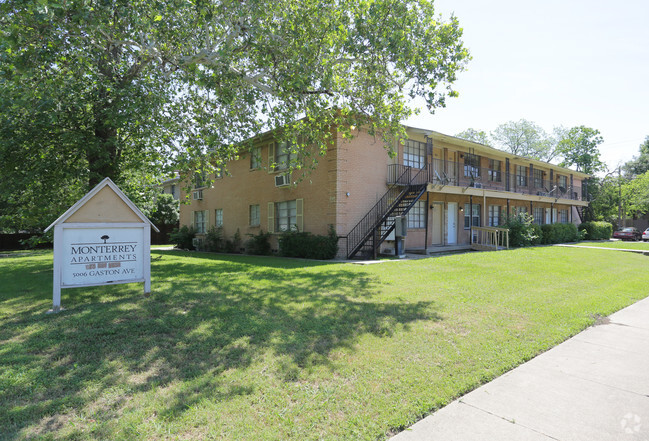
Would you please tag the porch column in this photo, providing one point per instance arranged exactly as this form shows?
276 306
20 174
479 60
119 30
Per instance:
483 223
426 221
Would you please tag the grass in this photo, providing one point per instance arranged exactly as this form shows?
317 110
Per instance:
242 348
617 244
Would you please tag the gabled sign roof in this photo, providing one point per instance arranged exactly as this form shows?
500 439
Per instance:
111 194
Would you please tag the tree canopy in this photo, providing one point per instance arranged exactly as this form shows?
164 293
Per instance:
639 164
479 136
524 138
635 195
90 89
579 147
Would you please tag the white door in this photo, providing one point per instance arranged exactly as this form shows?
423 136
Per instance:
554 216
452 223
547 216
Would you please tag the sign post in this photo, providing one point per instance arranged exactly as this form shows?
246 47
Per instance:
104 239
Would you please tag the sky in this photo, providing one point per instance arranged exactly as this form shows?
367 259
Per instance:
555 63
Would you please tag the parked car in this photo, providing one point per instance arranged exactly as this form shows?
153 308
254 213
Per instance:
645 235
628 233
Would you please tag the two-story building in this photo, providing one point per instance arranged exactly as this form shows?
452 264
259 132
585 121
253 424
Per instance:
447 187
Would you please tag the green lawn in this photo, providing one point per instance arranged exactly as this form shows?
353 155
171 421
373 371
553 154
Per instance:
252 348
617 244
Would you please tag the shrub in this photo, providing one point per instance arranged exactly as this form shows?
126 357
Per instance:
232 245
597 230
309 246
522 232
182 237
214 239
258 244
537 234
558 233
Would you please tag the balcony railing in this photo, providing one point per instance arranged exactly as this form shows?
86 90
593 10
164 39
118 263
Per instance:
440 172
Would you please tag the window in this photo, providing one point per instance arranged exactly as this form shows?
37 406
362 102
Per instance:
254 215
218 217
199 180
255 158
494 215
172 191
563 183
200 221
471 166
521 176
538 178
563 216
494 170
519 210
286 216
417 215
284 156
468 215
414 154
538 215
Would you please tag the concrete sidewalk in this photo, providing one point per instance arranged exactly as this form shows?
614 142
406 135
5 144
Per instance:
594 386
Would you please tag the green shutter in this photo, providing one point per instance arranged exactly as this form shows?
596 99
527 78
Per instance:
192 220
207 220
271 157
271 217
299 214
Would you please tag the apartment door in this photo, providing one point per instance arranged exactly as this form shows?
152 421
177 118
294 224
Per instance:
437 219
451 224
548 220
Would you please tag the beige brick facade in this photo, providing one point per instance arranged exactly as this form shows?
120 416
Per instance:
353 176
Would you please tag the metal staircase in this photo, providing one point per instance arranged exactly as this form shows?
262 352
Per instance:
366 237
585 213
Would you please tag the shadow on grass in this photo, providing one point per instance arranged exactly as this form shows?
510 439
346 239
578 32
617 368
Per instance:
207 315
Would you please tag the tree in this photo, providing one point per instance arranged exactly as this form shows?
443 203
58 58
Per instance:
524 138
479 136
580 148
605 193
90 89
639 164
635 195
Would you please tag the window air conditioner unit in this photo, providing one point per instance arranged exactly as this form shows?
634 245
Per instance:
198 195
198 243
282 180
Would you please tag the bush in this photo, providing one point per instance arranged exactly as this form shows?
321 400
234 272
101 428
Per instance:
522 232
214 239
558 233
537 234
597 230
309 246
233 245
258 244
182 237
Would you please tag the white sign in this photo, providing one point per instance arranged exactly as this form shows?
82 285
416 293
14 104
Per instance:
97 256
102 239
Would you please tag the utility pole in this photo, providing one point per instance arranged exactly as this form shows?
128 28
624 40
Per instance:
619 200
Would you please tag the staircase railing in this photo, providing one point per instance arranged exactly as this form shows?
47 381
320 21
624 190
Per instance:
366 227
489 238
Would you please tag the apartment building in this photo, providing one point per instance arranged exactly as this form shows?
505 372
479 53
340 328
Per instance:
446 186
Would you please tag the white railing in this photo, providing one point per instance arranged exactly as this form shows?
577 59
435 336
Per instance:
489 238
